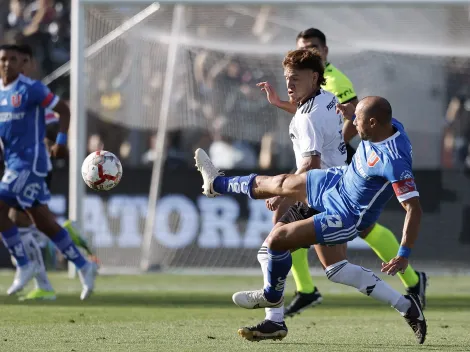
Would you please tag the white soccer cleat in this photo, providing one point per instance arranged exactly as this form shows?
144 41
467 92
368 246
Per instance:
208 171
87 276
254 300
23 275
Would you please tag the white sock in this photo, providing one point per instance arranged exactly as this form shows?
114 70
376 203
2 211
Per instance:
368 283
41 280
273 314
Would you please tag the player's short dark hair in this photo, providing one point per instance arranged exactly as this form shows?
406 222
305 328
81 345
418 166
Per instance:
25 49
312 33
9 47
306 59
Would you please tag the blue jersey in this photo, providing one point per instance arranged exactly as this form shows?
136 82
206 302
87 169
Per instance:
23 124
378 170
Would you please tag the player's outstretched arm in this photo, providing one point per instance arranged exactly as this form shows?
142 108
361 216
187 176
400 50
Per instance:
410 235
274 99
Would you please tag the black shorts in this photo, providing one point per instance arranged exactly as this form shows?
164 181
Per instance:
298 211
48 183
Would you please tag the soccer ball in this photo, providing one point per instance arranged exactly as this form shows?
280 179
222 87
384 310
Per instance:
101 170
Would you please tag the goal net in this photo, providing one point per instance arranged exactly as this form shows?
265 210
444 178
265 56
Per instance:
415 55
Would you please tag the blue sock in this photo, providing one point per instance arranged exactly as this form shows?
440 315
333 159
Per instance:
12 241
65 244
279 264
234 184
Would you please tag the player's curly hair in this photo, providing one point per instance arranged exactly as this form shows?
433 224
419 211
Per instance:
306 59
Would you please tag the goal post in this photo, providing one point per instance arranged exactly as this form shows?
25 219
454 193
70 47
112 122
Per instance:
174 37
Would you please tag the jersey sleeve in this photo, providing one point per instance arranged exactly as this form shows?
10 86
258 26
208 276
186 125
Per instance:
345 90
398 172
41 95
310 136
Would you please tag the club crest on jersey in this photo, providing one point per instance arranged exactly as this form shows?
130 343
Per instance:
372 159
16 100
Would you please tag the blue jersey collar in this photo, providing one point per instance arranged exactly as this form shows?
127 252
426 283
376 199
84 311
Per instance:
12 84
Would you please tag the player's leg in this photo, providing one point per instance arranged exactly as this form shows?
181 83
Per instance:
339 270
385 245
11 238
46 223
254 186
276 263
306 294
43 288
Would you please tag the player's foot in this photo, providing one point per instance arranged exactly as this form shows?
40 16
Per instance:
266 330
420 288
39 295
208 171
415 318
87 276
303 301
254 300
23 275
76 237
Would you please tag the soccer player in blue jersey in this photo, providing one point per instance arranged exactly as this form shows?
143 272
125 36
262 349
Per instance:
22 130
30 236
350 200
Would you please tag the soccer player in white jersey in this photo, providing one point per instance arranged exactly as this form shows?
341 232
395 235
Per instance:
349 200
315 131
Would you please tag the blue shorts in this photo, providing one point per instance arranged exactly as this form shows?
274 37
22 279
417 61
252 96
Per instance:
23 188
335 224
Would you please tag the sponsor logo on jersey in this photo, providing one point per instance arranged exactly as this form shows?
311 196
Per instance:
16 100
8 116
331 104
372 159
359 168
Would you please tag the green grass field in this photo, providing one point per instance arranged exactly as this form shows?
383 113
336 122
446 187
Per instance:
196 313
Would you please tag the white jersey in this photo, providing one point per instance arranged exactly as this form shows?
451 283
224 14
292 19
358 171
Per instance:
316 129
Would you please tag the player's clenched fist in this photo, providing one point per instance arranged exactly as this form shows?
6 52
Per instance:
347 110
271 94
59 151
396 265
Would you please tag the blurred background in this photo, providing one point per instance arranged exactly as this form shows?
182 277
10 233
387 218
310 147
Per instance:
418 57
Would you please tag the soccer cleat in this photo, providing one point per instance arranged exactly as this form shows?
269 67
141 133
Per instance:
23 275
303 301
266 330
208 171
76 238
415 318
254 300
87 276
420 288
39 295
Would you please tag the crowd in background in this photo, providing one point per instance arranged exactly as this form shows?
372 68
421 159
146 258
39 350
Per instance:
234 122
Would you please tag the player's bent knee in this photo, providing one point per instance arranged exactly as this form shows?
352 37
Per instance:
276 240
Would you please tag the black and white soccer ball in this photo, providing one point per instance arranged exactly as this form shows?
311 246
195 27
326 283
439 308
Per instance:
102 170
